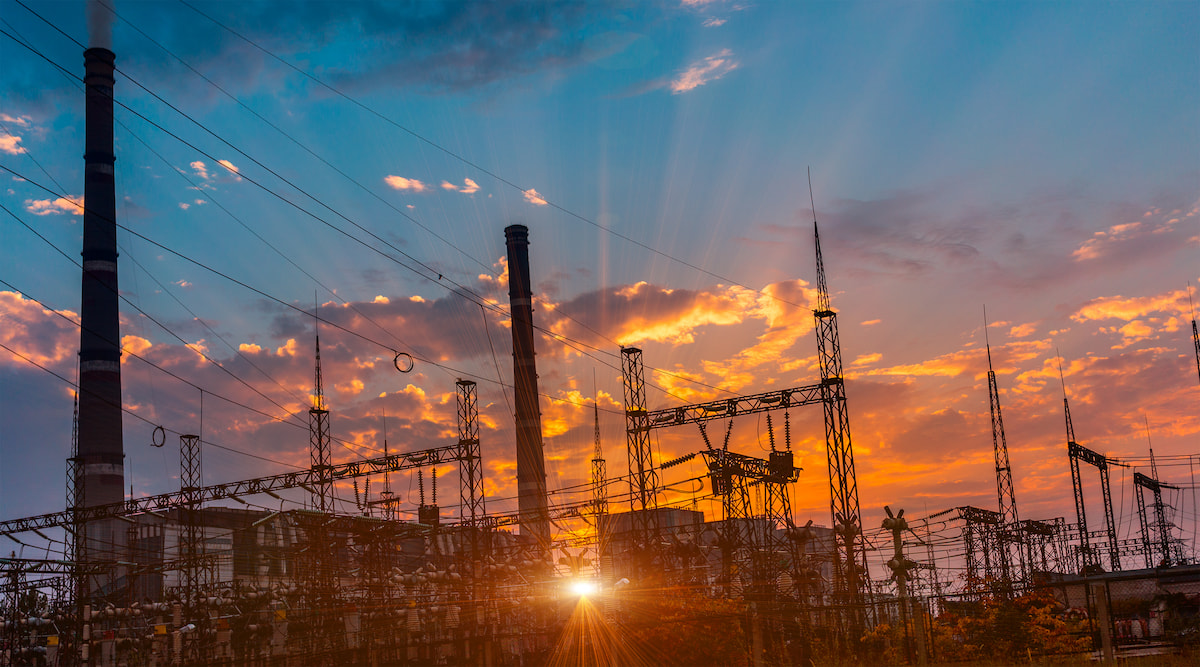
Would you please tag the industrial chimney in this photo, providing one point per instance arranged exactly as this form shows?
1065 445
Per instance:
531 466
101 454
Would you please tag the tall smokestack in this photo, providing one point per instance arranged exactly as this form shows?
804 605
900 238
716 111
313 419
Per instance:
101 451
531 465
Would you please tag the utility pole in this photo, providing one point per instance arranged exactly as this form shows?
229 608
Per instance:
900 565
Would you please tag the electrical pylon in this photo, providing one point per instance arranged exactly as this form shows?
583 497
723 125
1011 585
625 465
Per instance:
847 519
318 441
599 481
1195 332
1012 564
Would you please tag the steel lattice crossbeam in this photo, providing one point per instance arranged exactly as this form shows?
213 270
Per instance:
248 487
731 407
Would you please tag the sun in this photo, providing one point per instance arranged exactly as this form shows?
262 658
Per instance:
583 588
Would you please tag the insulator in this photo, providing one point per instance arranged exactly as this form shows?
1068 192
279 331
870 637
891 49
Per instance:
787 430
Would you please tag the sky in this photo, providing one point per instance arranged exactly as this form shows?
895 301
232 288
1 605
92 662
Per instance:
1039 160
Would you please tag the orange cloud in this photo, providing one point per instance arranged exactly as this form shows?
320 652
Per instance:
288 349
1118 307
231 168
678 327
1022 330
972 361
866 359
402 183
135 345
68 204
533 197
701 72
35 332
11 144
469 187
1154 222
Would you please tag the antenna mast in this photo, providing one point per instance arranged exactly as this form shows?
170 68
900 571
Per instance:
599 482
1011 568
851 563
1195 332
318 432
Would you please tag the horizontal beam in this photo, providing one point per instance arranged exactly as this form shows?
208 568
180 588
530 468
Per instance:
1148 482
247 487
730 407
1078 451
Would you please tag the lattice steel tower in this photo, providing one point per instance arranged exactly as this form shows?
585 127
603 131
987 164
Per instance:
1195 332
643 478
318 441
847 519
470 486
1012 555
599 481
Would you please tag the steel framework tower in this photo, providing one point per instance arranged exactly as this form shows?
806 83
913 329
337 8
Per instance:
1142 483
1077 453
599 478
1012 564
643 478
318 442
191 533
470 475
1195 332
847 519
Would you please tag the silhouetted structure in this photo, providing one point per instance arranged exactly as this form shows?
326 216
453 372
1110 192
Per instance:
531 465
101 454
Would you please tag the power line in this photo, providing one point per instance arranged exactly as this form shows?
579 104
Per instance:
291 306
462 291
141 418
478 167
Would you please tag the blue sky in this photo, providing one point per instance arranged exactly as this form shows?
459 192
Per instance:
1039 158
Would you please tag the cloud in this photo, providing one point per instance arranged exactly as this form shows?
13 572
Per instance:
69 204
231 168
1173 302
200 169
701 72
1155 229
469 186
1145 318
450 47
534 198
35 332
968 361
866 359
1023 330
402 183
229 173
20 121
11 144
713 23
